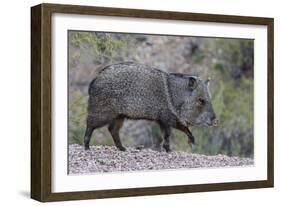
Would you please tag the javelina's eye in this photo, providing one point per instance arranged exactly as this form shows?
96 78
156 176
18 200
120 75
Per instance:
201 101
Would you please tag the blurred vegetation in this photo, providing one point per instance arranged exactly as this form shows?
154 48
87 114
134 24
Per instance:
103 46
229 63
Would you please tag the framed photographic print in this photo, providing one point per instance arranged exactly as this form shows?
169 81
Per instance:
130 102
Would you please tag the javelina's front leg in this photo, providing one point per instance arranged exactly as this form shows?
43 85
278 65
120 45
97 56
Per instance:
191 139
166 131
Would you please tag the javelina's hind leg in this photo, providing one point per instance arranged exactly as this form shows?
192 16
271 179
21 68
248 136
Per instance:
87 137
166 131
114 128
94 121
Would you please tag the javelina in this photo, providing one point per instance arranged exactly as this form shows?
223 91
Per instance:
136 91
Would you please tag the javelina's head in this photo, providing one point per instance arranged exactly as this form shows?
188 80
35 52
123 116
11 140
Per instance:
197 108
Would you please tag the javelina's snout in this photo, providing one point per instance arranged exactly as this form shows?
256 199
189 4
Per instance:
215 122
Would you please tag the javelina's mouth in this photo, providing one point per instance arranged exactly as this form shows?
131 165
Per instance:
215 123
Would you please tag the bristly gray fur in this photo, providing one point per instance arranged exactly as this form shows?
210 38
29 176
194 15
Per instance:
171 107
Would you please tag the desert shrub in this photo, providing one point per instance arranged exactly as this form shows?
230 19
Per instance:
77 111
95 48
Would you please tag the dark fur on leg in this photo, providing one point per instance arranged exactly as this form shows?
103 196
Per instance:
114 128
87 137
166 131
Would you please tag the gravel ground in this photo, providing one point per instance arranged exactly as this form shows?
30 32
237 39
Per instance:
109 159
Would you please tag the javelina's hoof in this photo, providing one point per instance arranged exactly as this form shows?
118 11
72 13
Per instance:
122 149
191 140
140 147
167 148
86 147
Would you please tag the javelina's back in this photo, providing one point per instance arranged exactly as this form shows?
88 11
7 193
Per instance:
133 90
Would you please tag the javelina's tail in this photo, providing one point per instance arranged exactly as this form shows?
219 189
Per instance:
91 86
95 74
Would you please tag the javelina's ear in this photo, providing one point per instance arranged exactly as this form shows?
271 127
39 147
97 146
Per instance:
192 83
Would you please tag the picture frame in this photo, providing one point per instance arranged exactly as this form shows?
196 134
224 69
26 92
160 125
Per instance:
41 101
